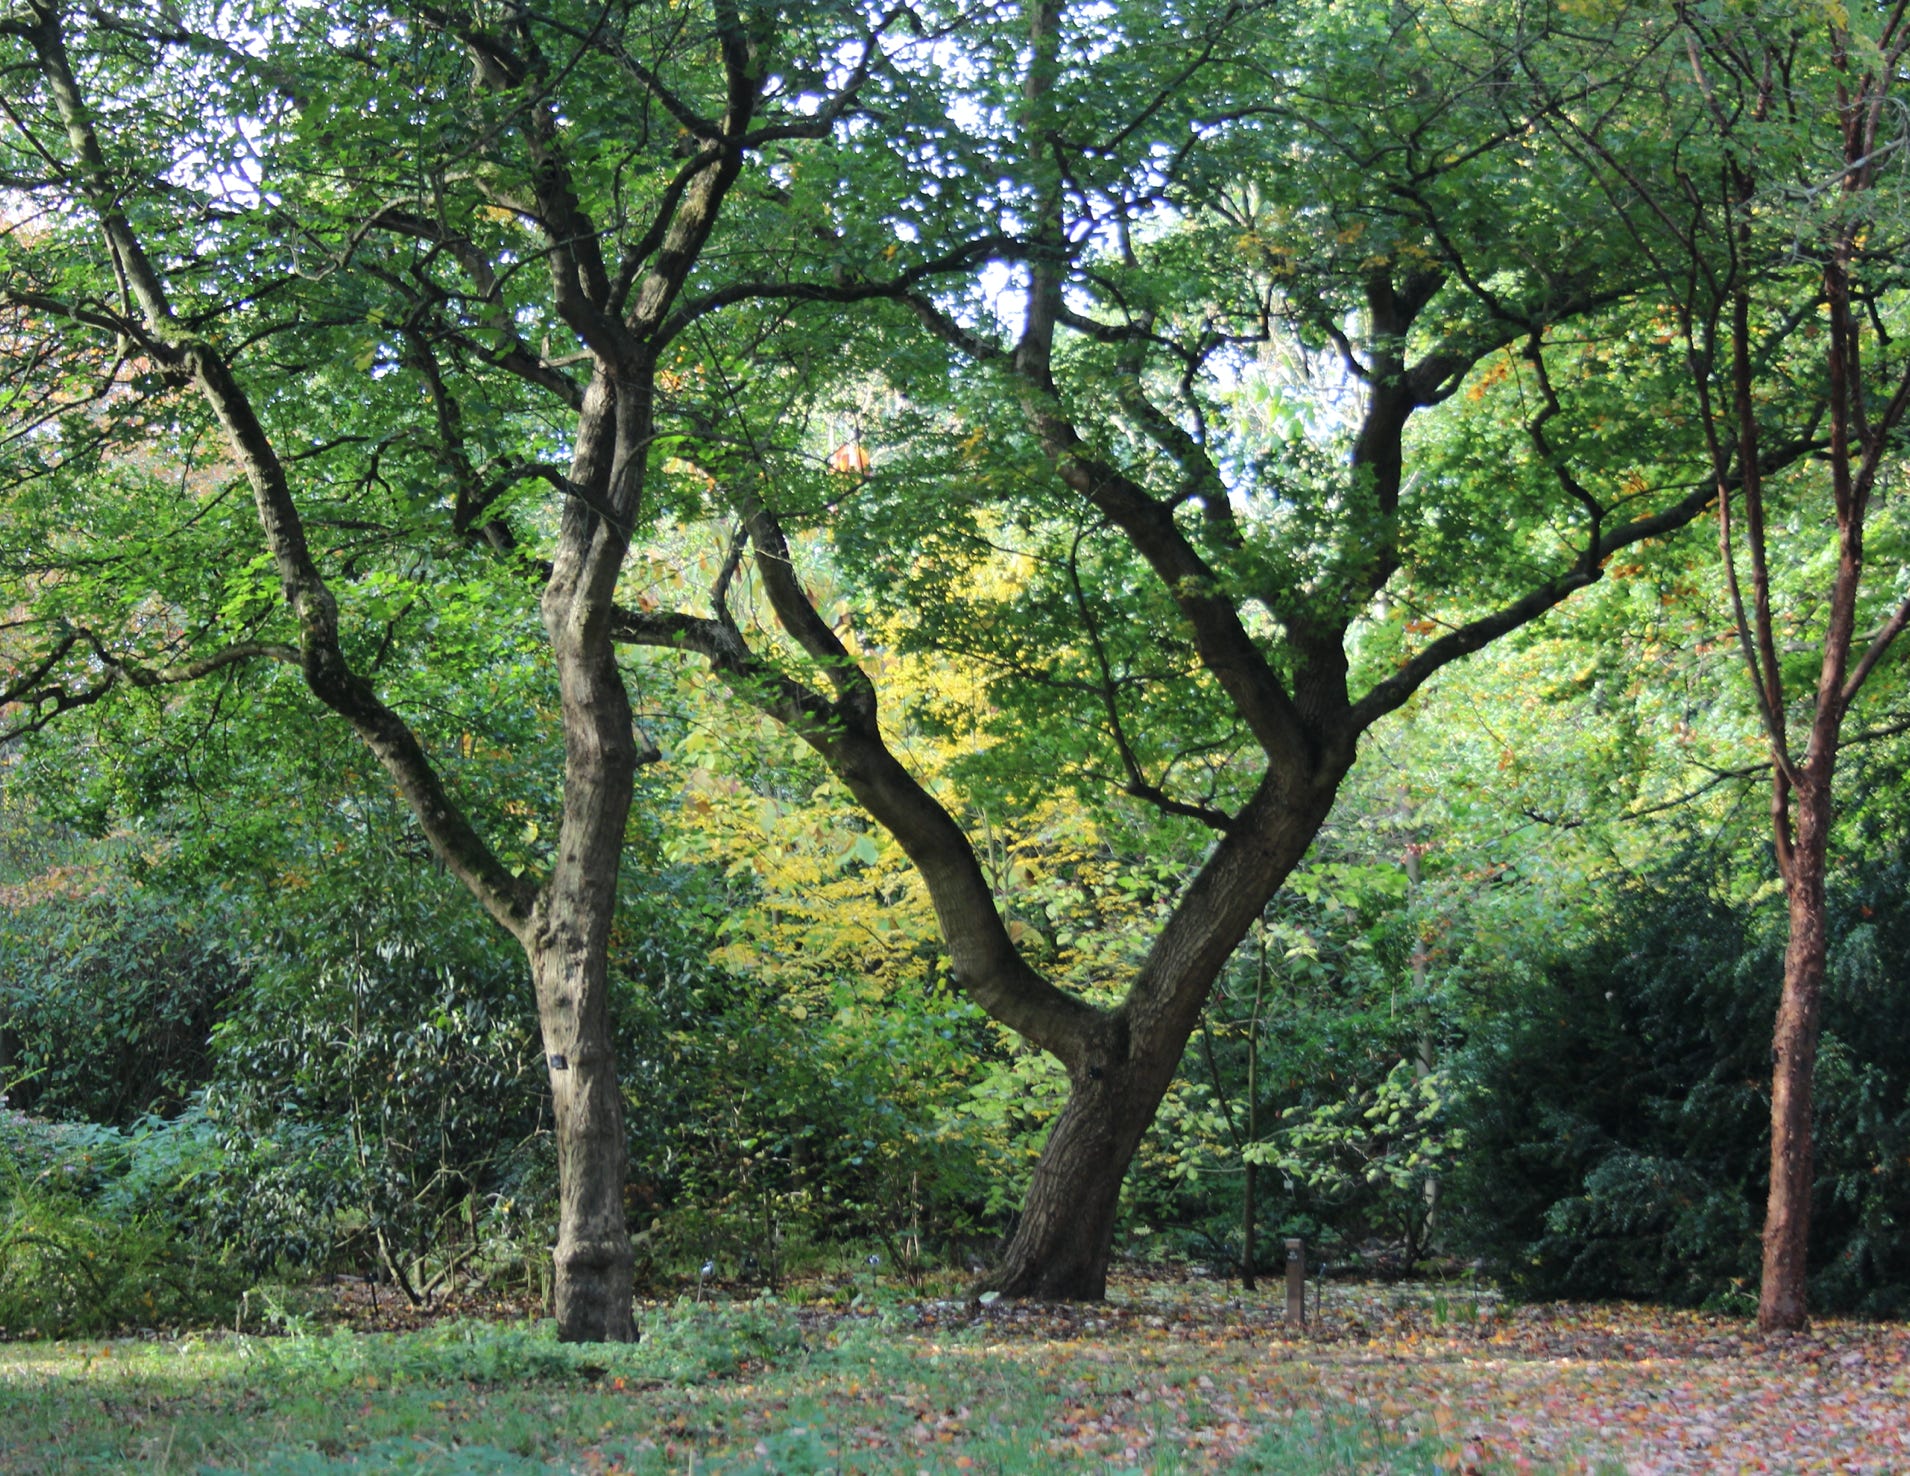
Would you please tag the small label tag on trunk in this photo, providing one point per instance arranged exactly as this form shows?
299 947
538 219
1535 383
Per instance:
559 1063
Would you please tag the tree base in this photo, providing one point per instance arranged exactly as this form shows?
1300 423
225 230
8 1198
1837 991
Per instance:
594 1297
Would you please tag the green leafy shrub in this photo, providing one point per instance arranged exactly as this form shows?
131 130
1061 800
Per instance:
91 1235
1381 1145
1619 1129
1309 1080
108 993
759 1138
379 1086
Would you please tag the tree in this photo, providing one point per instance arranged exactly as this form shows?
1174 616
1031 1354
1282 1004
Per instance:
1780 241
395 270
1206 617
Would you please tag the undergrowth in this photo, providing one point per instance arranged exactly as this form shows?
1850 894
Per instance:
690 1345
69 1270
723 1389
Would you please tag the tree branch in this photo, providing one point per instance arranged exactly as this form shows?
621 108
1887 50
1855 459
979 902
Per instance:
986 965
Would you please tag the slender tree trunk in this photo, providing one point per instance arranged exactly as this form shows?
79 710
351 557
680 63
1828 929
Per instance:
1426 1060
568 942
1250 1209
1250 1190
1782 1299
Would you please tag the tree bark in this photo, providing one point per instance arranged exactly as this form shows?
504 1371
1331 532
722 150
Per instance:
1064 1238
1782 1295
568 939
568 947
593 1256
1122 1067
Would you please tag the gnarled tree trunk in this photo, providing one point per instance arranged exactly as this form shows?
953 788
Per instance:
1065 1234
568 938
1122 1066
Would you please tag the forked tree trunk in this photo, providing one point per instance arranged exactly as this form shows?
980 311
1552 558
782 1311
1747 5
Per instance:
1124 1064
1782 1296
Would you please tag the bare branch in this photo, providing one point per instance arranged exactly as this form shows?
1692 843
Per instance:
900 287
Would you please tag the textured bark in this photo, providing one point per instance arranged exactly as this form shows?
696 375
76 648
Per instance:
593 1257
1065 1235
1062 1242
1782 1303
568 943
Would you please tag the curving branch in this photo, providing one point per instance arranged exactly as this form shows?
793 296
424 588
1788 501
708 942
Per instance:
986 965
321 657
1137 784
901 287
47 698
1383 697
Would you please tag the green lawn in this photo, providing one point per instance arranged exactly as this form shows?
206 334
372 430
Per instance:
1165 1379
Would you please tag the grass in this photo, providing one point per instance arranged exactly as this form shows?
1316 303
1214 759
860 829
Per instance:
740 1387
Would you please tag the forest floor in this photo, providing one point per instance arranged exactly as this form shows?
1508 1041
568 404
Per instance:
1168 1376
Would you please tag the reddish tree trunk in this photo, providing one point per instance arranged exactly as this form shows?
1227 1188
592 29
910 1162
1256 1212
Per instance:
1782 1299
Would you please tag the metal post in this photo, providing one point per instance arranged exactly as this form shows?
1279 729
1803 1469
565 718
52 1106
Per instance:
1296 1281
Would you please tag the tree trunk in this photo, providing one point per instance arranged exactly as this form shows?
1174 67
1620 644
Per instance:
569 942
1248 1211
1782 1297
1121 1067
593 1256
1064 1239
1250 1191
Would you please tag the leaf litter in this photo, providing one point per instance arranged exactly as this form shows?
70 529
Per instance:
1185 1376
1168 1375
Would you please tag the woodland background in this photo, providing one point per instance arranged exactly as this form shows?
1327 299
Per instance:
252 1050
1511 1015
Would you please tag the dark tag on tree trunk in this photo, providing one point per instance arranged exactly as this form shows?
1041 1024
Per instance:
559 1063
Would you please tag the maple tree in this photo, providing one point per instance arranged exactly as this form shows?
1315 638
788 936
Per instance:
1782 258
1203 617
404 276
1090 347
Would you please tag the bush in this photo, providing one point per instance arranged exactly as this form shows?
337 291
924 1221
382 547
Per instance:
758 1137
382 1091
108 995
91 1235
1619 1134
1317 1066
